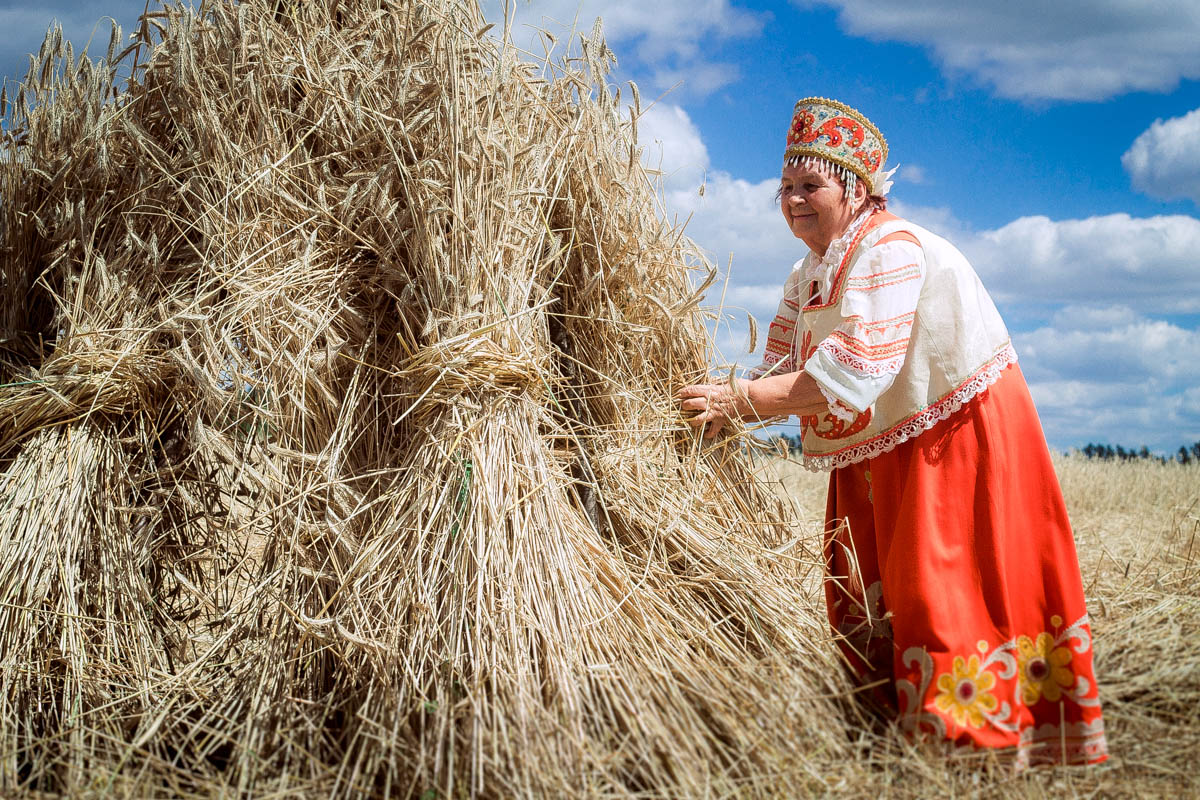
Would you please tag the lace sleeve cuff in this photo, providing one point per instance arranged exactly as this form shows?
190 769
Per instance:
837 407
847 394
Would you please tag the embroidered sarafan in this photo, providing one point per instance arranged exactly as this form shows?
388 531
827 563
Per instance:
995 692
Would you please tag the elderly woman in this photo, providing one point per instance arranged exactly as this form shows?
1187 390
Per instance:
953 585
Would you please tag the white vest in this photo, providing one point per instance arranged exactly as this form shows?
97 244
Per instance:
958 347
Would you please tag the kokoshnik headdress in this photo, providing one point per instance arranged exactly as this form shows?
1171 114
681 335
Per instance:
827 134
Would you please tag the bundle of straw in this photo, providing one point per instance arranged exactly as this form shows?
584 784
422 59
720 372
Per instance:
340 452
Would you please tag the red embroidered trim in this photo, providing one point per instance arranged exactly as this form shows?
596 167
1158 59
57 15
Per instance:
836 287
865 289
898 321
832 426
876 364
868 284
856 346
921 421
876 275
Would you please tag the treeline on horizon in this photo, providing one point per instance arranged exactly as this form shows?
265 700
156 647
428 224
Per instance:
1106 452
1100 452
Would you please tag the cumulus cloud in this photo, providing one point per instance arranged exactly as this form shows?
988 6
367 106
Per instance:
1132 382
671 144
728 214
1148 264
1094 318
665 28
1135 349
1164 160
735 221
912 173
668 40
1033 50
739 219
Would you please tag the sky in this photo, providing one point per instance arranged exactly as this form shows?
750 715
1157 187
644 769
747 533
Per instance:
1056 144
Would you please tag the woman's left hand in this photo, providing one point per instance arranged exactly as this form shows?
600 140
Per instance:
714 405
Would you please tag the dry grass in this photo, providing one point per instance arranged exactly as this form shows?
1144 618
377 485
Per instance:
1137 528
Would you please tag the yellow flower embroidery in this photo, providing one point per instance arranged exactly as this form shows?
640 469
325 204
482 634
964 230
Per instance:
1043 668
964 694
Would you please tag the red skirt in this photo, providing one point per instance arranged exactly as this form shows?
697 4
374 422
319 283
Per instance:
954 588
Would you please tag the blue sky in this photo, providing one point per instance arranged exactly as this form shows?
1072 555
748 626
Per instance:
1051 142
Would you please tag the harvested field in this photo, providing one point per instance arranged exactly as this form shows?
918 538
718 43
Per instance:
337 353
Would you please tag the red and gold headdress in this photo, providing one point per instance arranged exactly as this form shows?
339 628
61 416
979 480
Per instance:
825 130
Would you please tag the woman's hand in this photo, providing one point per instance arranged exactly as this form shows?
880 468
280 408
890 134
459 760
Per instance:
714 404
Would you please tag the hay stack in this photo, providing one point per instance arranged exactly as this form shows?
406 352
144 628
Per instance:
340 455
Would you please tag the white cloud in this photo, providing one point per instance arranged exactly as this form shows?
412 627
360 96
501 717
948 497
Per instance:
1131 383
731 218
912 173
696 78
1033 49
667 27
671 144
728 215
741 218
1094 318
1137 349
668 40
1149 264
1164 161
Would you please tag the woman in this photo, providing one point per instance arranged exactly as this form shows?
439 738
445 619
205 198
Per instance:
953 582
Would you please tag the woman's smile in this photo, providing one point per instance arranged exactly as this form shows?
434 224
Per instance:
814 206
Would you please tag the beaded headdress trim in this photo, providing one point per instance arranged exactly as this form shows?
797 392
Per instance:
826 130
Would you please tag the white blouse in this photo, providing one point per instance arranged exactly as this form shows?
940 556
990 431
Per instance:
857 363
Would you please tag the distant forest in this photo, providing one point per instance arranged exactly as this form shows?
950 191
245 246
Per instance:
1100 452
1106 452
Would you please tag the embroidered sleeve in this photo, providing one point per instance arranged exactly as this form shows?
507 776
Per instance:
779 357
859 360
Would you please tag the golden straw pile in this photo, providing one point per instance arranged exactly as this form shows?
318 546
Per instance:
339 453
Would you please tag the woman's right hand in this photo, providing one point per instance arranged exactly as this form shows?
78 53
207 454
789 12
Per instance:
712 405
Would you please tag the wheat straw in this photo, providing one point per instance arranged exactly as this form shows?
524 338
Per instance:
342 459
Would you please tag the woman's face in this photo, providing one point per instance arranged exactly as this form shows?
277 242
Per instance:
815 206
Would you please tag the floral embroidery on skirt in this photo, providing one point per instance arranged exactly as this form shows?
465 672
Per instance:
954 587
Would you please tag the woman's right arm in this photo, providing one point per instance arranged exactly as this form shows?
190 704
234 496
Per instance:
789 394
